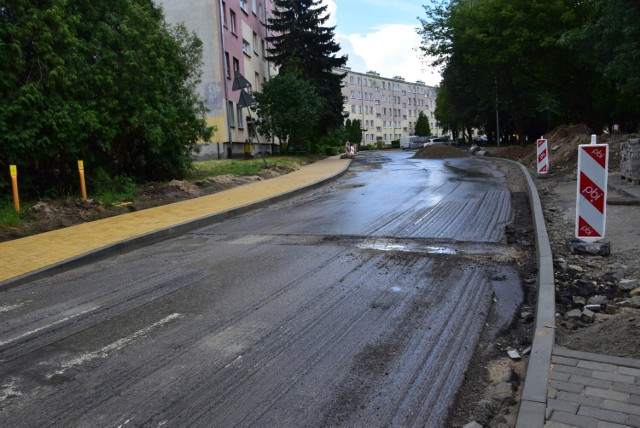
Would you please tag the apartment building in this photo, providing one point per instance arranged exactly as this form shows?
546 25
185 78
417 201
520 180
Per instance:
233 34
387 108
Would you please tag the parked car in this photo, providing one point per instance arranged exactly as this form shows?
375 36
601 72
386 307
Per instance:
438 141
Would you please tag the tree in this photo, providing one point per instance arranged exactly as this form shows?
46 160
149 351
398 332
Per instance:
301 44
423 129
287 109
108 82
521 53
353 131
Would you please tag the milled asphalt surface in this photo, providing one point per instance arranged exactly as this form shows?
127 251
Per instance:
562 388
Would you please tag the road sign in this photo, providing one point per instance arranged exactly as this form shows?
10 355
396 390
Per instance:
591 198
543 156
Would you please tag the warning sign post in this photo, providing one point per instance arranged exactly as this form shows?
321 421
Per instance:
591 198
543 156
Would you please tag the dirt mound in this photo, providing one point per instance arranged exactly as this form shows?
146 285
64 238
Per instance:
563 145
440 152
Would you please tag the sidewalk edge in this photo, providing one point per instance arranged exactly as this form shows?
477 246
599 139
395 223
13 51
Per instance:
140 241
531 411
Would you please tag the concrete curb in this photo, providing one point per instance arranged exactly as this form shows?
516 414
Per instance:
533 402
140 241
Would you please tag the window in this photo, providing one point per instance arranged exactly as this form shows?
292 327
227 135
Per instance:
232 23
224 14
255 43
227 70
246 48
243 5
230 114
236 66
254 6
240 119
262 49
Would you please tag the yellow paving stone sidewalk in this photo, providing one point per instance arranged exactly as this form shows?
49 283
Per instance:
33 253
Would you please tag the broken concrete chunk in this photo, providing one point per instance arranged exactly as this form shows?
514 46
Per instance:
597 300
587 316
513 354
574 314
579 301
628 284
576 246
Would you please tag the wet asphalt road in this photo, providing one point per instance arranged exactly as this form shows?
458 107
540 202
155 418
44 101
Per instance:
357 304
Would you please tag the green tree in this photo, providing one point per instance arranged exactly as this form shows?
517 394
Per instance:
515 51
108 82
287 109
353 131
423 129
302 44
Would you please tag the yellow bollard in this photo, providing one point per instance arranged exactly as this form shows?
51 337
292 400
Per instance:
83 186
13 170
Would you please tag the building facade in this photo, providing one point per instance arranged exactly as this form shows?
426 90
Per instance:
233 34
387 108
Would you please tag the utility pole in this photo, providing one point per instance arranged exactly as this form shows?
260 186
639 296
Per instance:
497 115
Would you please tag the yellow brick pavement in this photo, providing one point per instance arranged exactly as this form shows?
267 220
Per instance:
25 255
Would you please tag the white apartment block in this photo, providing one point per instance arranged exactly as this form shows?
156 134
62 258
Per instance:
387 108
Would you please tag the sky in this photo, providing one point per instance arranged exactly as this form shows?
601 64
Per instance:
380 35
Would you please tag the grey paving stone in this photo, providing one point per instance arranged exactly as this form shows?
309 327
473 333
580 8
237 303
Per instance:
614 377
554 375
574 420
633 420
629 371
567 386
553 424
594 365
626 362
604 424
617 406
556 359
563 406
602 414
607 394
634 399
579 398
589 381
573 370
625 387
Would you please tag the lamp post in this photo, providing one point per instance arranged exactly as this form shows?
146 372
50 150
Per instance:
497 115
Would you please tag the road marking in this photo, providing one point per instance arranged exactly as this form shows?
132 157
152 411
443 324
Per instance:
44 327
115 346
9 308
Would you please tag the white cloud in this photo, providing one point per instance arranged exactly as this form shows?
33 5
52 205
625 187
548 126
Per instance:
389 49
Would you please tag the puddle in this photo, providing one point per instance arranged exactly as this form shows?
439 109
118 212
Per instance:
411 247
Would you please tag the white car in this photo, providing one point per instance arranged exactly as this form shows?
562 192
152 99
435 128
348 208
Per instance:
437 141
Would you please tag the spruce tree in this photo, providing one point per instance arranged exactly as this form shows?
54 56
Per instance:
300 44
422 126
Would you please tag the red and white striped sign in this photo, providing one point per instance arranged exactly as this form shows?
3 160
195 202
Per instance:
591 203
543 156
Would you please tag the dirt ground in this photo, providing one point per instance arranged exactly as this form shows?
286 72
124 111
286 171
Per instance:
581 279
